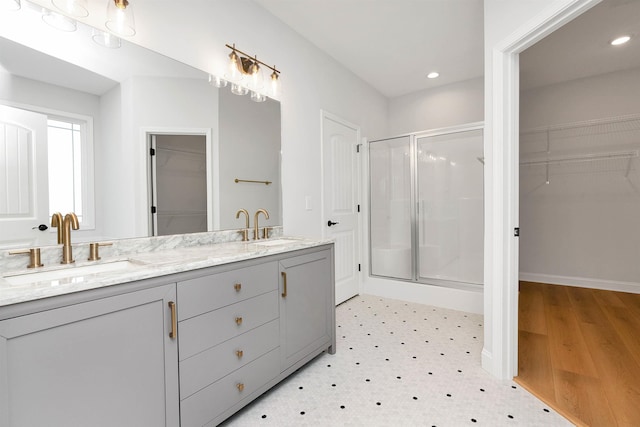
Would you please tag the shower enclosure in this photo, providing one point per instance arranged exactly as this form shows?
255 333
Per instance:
426 207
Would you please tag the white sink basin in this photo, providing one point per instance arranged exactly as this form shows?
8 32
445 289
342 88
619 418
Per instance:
70 273
276 242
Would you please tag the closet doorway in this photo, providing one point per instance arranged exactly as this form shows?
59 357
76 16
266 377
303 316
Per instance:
178 184
579 201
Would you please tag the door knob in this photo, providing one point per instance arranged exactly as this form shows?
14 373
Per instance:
330 223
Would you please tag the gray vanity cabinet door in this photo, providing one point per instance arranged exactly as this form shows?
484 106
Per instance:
108 362
306 318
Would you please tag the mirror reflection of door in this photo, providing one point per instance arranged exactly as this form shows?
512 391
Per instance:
24 197
178 184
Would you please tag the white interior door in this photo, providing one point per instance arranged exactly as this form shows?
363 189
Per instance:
24 191
341 200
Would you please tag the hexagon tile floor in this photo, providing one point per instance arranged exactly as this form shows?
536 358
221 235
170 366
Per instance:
398 364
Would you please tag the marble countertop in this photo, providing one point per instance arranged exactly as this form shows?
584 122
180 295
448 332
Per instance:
139 266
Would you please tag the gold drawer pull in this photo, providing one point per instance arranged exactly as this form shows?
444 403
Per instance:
239 353
240 387
237 287
174 324
238 320
284 283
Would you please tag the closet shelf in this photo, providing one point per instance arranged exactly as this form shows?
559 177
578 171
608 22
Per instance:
582 158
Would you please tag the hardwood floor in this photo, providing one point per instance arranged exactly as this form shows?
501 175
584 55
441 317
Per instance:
579 351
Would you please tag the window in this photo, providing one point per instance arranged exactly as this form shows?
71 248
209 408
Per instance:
70 171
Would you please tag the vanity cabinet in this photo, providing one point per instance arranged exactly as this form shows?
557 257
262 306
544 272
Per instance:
185 349
307 310
105 362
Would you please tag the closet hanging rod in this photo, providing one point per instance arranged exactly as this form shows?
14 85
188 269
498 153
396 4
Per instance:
584 158
250 180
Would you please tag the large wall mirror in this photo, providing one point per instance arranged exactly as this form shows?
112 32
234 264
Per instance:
90 117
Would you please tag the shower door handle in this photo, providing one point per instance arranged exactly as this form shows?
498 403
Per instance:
330 223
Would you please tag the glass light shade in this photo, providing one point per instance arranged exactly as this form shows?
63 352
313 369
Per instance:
237 89
58 21
274 86
233 74
75 8
10 5
257 96
120 18
105 39
256 78
217 81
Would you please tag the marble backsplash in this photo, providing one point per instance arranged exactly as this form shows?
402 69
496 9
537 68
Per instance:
52 255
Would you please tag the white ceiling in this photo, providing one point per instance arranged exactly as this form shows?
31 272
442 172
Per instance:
393 44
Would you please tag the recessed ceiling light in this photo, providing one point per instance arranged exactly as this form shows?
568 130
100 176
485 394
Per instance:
433 75
621 40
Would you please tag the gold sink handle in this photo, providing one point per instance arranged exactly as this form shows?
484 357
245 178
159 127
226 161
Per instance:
93 250
34 256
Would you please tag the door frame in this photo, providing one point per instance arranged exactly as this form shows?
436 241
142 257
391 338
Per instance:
501 145
213 172
358 183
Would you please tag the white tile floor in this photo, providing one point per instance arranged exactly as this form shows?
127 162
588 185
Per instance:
398 364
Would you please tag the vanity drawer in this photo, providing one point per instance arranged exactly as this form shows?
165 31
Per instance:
210 402
208 366
197 296
210 329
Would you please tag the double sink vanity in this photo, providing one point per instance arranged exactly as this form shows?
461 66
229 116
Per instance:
185 332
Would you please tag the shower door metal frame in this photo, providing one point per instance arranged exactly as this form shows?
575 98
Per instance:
414 207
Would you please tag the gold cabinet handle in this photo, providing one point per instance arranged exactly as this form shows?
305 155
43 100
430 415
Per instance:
284 283
237 287
239 353
239 320
240 387
174 321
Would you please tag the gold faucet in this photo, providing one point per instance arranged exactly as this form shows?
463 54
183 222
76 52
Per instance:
70 221
56 221
256 235
245 232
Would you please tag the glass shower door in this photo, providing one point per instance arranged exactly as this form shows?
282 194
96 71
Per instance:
391 217
450 207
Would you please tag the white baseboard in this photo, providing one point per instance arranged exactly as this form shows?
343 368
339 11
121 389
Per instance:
487 362
582 282
439 296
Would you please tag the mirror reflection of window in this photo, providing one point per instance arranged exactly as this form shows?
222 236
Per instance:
65 140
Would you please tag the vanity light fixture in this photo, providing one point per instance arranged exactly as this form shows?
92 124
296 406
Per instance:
433 75
620 40
120 18
245 75
10 5
75 8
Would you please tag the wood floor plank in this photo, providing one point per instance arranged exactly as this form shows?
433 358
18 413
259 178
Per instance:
628 327
583 397
608 298
531 309
566 344
584 304
534 365
622 385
